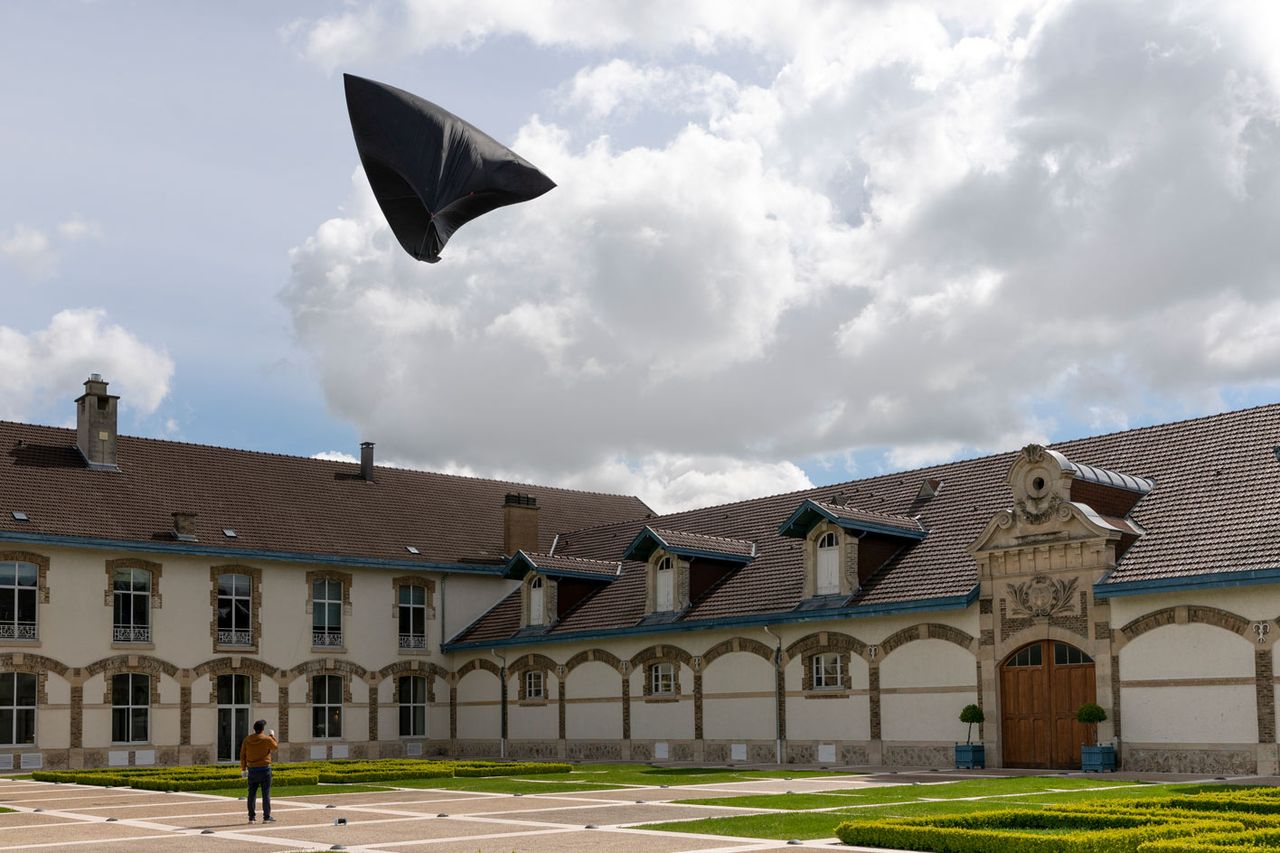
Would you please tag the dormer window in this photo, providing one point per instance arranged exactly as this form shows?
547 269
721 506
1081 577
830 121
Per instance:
665 586
537 602
828 564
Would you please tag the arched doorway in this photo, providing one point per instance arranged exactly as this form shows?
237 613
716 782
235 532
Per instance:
1041 686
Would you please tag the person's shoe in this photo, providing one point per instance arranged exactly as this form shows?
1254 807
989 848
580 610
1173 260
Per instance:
268 820
253 820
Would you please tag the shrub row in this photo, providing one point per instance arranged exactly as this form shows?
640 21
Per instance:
209 777
1026 831
1222 842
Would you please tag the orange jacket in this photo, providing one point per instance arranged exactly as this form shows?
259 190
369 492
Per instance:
256 749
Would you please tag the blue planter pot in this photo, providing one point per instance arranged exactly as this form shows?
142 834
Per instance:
970 756
1098 759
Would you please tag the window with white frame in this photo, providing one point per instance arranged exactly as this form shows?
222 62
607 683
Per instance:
537 602
827 581
130 708
234 605
131 596
826 671
326 706
413 616
662 679
17 709
664 597
534 685
18 587
413 706
326 612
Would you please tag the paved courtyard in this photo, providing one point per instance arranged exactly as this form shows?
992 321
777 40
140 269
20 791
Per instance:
49 816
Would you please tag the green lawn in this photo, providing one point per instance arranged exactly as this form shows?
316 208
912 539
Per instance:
907 801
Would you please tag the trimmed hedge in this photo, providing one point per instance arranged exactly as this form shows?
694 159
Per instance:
999 832
1224 842
211 777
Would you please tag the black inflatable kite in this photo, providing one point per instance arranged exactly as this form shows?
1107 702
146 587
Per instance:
431 171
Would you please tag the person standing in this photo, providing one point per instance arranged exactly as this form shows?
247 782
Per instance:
255 763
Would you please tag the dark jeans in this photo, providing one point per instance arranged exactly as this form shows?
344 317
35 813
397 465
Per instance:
260 777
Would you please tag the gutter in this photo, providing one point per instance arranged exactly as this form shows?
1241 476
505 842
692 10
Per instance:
1191 583
952 602
195 549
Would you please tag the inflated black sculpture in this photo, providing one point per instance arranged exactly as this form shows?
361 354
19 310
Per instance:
431 171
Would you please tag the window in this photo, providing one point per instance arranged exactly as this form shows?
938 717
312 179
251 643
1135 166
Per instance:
1028 656
326 612
664 598
826 671
130 708
17 709
413 617
233 715
326 706
534 685
1065 655
413 706
537 603
131 592
663 679
828 568
18 601
233 610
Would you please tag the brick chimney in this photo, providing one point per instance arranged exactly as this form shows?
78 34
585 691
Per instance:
184 526
519 523
96 424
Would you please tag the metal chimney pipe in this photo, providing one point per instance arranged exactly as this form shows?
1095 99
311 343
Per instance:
366 461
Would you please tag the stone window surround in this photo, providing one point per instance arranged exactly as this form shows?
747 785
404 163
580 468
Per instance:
346 700
680 583
550 599
255 606
343 578
522 678
428 697
41 563
108 597
649 694
806 680
153 685
848 568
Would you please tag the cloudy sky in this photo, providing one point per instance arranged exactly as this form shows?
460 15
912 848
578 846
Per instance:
792 243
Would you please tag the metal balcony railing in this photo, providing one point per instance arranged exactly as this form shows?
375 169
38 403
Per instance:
131 634
235 638
326 639
413 641
18 631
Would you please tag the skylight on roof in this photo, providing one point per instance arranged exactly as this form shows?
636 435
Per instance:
19 515
229 533
411 549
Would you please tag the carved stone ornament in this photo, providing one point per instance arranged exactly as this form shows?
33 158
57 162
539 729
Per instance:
1038 512
1033 452
1042 596
1261 630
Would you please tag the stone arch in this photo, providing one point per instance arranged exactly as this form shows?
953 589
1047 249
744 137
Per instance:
926 631
833 641
256 669
532 660
661 652
597 655
122 663
474 664
1194 614
38 665
429 671
40 561
736 644
1149 622
328 666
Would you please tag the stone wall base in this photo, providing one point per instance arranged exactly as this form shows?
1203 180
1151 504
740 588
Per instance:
1207 759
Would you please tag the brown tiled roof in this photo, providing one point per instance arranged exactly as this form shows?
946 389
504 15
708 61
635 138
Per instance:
884 519
551 565
274 503
683 541
1214 510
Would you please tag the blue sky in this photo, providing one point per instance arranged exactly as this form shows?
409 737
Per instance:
787 247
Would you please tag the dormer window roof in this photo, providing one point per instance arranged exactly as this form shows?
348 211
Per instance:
811 513
689 545
561 567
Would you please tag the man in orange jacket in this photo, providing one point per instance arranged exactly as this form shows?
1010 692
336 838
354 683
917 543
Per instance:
255 762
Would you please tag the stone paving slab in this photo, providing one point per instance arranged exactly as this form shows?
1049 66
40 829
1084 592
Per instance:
375 830
50 797
570 842
397 796
494 804
68 832
27 820
611 815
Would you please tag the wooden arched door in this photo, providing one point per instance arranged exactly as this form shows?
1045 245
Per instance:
1041 686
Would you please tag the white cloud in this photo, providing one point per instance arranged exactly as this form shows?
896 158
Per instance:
938 228
35 253
37 368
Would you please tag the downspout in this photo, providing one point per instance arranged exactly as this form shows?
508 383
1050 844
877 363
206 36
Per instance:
502 680
444 577
778 697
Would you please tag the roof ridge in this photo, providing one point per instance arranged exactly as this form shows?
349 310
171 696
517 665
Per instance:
312 459
699 535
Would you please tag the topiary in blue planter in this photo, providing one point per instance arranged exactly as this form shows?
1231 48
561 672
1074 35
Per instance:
1098 759
970 756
